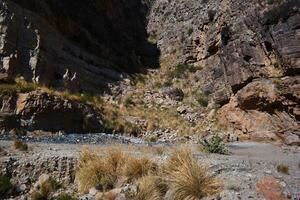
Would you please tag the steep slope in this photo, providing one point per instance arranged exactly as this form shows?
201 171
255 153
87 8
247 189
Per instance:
249 52
81 46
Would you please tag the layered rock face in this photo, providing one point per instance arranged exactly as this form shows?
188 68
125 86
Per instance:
78 45
250 54
40 111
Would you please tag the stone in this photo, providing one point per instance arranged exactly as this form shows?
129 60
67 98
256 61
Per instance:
270 188
174 94
40 111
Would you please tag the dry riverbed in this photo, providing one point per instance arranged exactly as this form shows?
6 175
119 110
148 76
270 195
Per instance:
248 172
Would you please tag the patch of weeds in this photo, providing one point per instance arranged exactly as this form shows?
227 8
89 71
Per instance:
202 99
186 179
65 196
190 31
45 190
211 15
94 170
139 78
5 184
128 101
150 187
283 169
214 145
136 168
168 83
159 150
180 70
151 138
19 145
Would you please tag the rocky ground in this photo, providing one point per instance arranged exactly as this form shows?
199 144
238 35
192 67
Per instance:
246 172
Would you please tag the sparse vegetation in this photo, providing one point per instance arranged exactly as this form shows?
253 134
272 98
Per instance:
180 70
190 31
5 184
283 169
187 179
65 196
202 99
19 145
150 187
214 145
136 168
45 190
128 101
94 170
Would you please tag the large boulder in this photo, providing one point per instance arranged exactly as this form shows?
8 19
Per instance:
45 112
263 110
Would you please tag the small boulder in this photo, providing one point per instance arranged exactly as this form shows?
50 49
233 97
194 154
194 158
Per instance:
175 94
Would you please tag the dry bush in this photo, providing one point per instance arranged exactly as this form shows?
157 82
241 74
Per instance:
150 187
111 195
137 167
187 179
45 190
283 169
19 145
94 170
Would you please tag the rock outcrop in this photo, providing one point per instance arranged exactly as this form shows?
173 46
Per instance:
78 45
40 111
250 54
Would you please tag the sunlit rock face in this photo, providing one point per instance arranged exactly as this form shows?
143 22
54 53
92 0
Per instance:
250 55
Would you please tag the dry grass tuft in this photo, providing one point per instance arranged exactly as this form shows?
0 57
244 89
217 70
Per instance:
135 168
45 190
102 171
150 187
187 179
111 195
283 169
19 145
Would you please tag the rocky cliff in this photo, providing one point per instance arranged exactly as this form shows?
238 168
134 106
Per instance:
81 46
248 52
250 55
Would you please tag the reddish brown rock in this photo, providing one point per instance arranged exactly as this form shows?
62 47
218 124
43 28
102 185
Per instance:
263 111
270 189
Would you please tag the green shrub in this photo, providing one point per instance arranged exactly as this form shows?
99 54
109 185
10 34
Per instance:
128 101
65 196
190 31
214 145
5 184
202 99
180 70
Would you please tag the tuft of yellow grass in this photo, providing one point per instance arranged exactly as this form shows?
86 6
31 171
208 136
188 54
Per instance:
136 168
150 187
187 179
19 145
94 170
111 195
